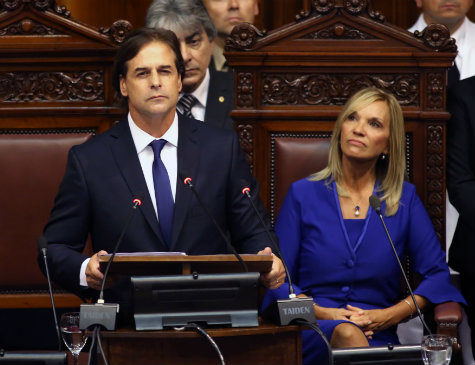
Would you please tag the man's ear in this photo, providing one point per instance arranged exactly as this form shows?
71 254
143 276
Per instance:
180 83
419 3
256 8
123 86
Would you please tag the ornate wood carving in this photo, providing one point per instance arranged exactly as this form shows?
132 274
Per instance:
42 5
118 30
28 27
246 140
437 36
435 90
334 89
435 177
243 36
245 89
52 86
338 31
354 7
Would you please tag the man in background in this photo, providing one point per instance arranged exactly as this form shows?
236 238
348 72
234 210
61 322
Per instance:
452 14
460 217
225 15
207 95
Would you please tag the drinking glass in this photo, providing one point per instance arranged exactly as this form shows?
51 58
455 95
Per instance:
436 349
73 337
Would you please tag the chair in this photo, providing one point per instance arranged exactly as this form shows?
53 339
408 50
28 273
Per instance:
295 156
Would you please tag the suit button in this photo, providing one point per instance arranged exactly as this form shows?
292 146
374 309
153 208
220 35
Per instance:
350 263
345 289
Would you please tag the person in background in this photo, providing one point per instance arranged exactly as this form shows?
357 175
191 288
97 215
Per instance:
146 156
334 243
225 15
453 14
207 95
461 187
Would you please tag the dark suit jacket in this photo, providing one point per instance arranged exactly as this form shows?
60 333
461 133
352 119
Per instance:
220 101
461 173
104 175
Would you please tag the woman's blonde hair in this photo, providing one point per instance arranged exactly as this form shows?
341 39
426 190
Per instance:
390 171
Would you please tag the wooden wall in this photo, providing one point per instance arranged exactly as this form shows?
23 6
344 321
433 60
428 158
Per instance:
273 13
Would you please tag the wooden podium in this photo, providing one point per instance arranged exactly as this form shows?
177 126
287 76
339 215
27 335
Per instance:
264 344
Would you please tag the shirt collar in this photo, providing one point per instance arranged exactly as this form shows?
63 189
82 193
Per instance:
142 139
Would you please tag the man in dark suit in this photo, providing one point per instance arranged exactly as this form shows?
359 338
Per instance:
104 175
461 186
208 95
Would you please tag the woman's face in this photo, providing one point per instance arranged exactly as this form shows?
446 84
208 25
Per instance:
365 133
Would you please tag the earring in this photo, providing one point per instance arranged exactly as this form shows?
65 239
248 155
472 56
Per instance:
383 156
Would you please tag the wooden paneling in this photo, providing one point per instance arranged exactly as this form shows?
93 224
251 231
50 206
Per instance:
103 13
272 14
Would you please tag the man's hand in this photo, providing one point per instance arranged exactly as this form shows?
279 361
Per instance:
94 276
276 276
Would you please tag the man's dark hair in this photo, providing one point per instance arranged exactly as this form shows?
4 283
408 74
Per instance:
135 41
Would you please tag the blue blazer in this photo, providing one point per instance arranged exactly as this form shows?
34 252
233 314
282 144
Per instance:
104 175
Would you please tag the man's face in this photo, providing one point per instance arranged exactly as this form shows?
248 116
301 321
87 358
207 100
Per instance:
227 13
152 83
447 12
196 49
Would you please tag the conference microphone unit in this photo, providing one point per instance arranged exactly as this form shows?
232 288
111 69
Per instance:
189 182
43 247
375 203
284 311
101 313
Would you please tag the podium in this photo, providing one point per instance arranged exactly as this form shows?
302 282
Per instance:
262 344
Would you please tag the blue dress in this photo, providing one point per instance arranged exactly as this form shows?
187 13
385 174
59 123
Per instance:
326 264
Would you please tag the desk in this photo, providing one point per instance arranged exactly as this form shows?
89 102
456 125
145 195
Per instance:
266 344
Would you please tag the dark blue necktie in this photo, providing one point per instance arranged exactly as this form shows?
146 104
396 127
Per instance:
163 192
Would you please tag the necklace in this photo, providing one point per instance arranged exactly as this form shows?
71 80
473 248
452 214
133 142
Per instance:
357 208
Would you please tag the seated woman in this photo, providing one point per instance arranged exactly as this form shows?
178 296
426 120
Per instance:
335 245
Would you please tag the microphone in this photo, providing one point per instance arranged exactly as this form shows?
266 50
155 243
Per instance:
189 182
376 205
285 310
101 313
43 247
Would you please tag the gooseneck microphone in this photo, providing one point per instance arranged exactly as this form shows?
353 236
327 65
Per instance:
294 310
101 313
247 192
189 182
285 310
43 247
376 205
136 202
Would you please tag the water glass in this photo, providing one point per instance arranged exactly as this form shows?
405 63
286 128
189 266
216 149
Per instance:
73 337
436 349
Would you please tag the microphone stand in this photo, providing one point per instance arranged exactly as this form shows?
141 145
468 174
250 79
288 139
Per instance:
43 246
376 205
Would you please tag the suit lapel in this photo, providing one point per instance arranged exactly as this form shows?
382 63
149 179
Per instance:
188 166
125 154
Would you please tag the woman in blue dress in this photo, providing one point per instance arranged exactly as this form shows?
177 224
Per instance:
335 245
